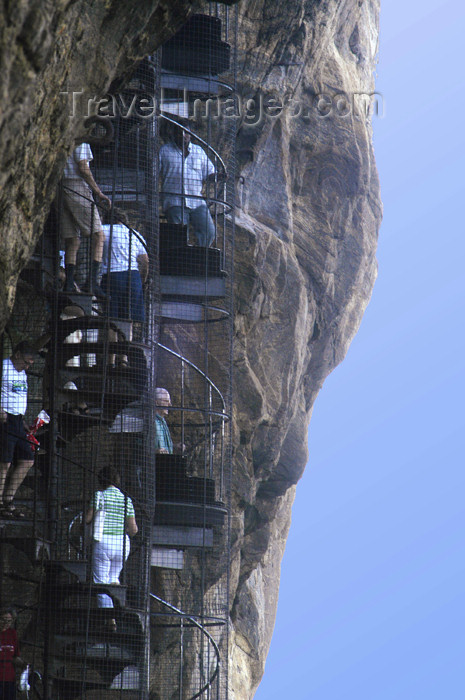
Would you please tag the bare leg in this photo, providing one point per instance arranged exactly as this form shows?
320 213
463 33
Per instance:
112 338
71 250
123 359
4 466
98 238
16 478
137 331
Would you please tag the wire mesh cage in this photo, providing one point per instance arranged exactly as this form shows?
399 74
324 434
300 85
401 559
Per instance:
116 393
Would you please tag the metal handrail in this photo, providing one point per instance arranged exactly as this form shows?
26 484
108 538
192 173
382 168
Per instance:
113 210
197 369
220 181
223 415
193 621
197 138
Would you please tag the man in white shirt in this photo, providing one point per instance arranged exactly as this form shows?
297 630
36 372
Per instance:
129 265
80 217
184 167
13 435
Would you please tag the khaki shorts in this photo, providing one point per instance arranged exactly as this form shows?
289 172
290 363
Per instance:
79 214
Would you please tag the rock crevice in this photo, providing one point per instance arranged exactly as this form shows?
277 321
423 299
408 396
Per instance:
306 228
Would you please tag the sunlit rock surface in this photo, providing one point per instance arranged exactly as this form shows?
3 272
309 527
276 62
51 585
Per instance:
307 221
305 267
47 51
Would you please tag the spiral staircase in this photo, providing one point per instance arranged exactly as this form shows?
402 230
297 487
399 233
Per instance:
170 608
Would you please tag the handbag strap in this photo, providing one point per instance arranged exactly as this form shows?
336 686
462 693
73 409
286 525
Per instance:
102 506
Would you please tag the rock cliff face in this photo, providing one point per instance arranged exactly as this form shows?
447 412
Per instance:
307 222
48 50
305 267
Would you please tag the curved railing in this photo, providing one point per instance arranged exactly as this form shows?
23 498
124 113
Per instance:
211 413
211 384
197 138
116 215
219 180
215 674
221 415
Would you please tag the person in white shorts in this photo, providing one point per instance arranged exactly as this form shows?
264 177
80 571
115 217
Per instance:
112 550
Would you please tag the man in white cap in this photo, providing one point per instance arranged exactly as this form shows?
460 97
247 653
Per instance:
163 441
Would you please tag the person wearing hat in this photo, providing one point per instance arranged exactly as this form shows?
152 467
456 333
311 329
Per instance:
13 430
184 167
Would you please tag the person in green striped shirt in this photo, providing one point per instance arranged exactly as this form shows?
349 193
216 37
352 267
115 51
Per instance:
112 550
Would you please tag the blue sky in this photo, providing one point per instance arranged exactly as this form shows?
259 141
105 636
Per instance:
372 599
